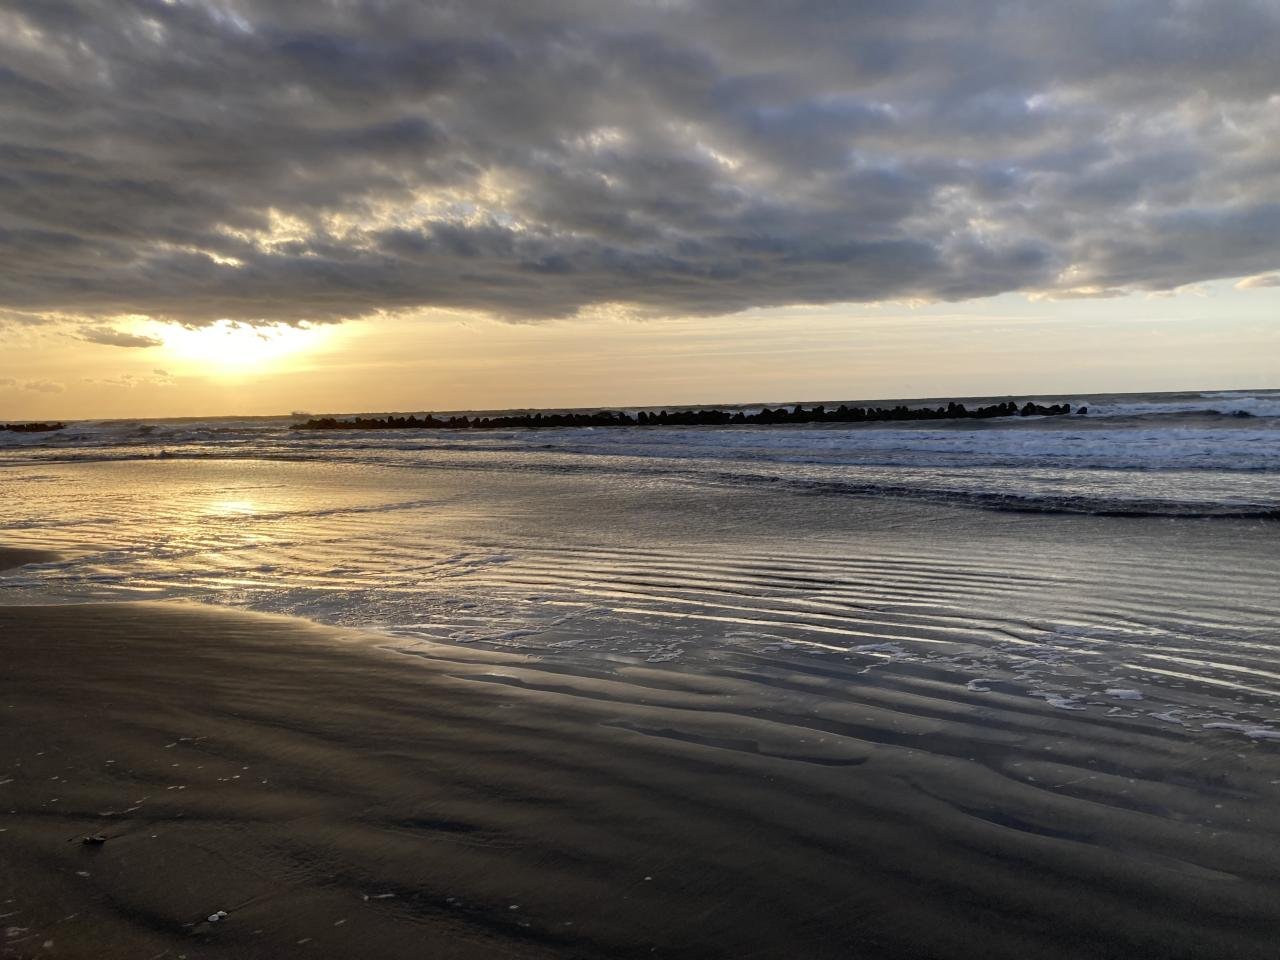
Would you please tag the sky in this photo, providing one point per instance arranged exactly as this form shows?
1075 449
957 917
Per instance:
241 206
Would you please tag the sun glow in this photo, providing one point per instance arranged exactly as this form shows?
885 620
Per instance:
230 347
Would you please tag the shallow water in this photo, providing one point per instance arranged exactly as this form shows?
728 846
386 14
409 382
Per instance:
606 566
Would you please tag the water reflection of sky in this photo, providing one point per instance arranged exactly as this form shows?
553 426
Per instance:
233 508
632 564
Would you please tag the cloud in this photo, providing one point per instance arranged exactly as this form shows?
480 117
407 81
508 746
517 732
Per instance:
111 337
1260 280
1078 293
265 162
157 378
37 386
18 319
43 386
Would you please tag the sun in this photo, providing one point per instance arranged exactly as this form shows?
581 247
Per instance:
230 347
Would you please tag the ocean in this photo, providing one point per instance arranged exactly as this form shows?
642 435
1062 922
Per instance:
1161 453
1056 557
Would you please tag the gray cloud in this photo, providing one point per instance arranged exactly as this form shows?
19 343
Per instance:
267 161
109 336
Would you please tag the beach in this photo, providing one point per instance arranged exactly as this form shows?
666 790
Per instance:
724 694
686 480
342 796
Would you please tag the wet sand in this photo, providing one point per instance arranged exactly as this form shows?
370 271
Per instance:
342 795
11 557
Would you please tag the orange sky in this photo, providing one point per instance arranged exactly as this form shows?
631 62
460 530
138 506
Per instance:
1218 336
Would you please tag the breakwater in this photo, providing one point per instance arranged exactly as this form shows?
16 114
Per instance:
711 417
32 427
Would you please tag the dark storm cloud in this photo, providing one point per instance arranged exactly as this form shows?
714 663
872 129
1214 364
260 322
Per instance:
289 161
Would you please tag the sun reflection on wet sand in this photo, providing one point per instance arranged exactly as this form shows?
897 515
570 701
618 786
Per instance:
233 508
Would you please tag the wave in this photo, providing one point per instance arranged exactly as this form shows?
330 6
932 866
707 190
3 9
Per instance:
1261 403
1091 446
1080 504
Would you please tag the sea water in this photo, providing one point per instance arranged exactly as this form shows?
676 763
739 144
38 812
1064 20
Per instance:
1115 566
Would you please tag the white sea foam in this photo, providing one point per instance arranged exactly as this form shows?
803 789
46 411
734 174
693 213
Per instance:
1121 694
1257 403
1067 702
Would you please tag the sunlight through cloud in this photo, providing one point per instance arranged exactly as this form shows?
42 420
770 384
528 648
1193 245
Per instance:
228 346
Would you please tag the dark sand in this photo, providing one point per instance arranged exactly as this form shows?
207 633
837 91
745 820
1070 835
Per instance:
341 799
